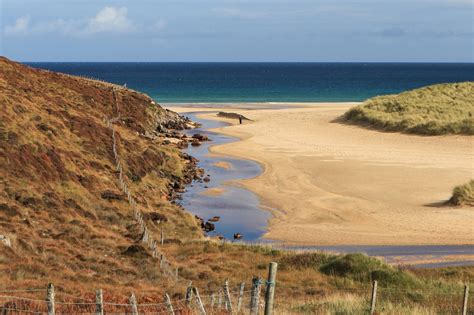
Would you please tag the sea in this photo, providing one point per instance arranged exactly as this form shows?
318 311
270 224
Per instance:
267 82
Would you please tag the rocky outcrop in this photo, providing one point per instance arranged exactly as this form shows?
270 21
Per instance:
173 121
232 116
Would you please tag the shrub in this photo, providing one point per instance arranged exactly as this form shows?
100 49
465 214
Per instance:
463 195
363 268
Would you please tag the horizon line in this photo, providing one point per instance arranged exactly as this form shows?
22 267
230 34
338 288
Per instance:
372 62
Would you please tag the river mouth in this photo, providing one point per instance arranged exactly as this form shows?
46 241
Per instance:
240 210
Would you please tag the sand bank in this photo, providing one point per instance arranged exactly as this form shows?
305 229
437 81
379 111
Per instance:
334 183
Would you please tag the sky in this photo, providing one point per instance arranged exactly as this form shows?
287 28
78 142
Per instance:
238 30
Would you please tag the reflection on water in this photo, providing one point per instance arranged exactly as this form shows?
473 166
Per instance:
238 208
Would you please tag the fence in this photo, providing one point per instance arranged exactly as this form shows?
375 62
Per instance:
245 298
226 300
147 237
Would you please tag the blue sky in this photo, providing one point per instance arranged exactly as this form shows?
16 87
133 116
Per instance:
232 30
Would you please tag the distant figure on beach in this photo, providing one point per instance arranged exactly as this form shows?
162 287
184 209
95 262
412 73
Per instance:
125 85
240 119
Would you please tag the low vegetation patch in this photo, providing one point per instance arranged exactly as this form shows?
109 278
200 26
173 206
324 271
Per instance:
363 268
434 110
463 195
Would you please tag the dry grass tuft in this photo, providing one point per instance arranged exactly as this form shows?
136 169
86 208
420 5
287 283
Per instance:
463 195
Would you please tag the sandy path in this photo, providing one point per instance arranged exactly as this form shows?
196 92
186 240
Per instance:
339 184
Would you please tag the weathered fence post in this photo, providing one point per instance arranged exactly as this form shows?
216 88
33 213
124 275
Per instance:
202 310
241 296
99 302
219 299
50 299
228 302
189 293
374 297
270 290
133 304
213 299
255 295
465 299
169 305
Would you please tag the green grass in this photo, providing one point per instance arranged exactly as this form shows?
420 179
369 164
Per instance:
463 195
434 110
362 268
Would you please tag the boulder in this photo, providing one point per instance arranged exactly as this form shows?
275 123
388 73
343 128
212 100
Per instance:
214 219
237 236
208 227
201 137
5 240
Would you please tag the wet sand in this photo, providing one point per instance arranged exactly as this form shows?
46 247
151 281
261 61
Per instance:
338 184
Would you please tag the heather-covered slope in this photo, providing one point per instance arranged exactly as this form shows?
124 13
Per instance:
60 204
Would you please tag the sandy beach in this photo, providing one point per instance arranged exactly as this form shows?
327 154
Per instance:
329 183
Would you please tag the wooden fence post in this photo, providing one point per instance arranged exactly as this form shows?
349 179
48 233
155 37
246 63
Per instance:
219 299
241 296
465 299
374 297
162 237
50 299
133 304
255 295
99 302
189 293
202 310
169 305
270 290
228 302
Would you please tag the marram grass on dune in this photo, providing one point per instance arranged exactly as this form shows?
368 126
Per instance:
434 110
463 195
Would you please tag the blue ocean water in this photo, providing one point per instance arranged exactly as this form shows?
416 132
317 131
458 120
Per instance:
268 82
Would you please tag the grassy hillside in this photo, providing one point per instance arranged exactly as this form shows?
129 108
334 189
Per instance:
60 202
433 110
67 221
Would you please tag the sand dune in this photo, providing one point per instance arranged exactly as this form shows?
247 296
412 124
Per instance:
334 183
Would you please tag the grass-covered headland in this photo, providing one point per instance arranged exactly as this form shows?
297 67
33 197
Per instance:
433 110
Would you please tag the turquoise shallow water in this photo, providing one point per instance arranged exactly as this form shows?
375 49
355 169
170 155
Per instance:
269 82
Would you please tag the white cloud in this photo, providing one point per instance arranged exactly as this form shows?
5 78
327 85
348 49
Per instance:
107 20
20 26
110 19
